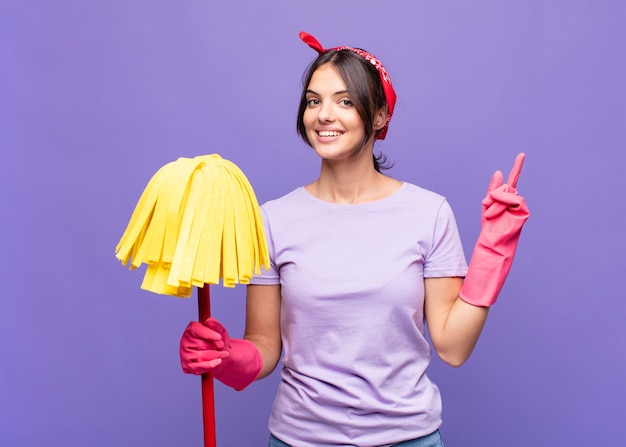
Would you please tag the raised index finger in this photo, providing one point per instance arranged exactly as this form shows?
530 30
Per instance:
516 170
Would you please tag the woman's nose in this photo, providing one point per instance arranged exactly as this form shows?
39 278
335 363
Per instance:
325 113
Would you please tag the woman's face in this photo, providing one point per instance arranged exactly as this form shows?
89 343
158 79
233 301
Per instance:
333 125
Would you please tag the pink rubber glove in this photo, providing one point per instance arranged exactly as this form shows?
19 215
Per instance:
206 347
504 213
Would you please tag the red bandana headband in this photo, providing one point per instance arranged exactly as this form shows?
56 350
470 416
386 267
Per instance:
390 94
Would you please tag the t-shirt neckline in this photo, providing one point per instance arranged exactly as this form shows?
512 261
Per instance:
373 203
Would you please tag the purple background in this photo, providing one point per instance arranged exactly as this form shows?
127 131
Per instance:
96 96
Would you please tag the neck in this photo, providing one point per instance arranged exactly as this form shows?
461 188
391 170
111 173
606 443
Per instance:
352 181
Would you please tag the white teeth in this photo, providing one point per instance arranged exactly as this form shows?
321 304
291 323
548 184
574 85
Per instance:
328 133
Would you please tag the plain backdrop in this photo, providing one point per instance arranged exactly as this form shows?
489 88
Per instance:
95 96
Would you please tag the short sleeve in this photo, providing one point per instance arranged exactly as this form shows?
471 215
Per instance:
270 276
446 257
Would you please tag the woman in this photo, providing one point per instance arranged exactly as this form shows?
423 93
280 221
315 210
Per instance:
359 262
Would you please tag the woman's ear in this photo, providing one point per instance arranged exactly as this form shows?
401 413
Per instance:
380 118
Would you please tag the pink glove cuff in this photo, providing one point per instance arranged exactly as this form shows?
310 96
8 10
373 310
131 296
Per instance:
242 367
487 272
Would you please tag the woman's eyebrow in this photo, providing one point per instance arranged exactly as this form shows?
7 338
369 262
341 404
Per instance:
340 92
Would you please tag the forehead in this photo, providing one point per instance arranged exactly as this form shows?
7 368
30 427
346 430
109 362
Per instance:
327 78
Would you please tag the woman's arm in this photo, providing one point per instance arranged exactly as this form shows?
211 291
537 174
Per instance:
263 324
454 325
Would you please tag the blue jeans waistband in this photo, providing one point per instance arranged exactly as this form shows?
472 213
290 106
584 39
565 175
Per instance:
432 440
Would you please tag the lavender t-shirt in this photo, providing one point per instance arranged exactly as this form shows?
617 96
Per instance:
352 320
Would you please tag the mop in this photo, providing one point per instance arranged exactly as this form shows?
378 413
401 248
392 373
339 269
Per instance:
197 221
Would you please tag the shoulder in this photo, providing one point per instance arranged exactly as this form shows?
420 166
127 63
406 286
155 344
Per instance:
422 205
418 195
293 198
286 208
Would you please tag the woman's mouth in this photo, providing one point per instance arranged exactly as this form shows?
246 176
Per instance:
329 133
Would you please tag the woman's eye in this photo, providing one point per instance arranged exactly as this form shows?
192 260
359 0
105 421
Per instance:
312 102
346 103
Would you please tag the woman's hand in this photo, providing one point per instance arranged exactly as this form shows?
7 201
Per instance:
207 348
203 346
503 216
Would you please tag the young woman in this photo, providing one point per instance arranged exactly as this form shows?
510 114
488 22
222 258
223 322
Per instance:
360 262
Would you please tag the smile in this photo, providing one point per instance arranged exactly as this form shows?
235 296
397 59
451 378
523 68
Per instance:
328 133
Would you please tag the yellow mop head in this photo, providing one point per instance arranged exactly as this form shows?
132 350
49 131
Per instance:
197 221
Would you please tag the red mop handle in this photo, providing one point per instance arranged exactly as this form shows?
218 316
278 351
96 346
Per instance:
208 396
